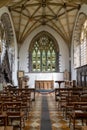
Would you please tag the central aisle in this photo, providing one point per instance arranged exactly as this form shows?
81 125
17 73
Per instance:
45 115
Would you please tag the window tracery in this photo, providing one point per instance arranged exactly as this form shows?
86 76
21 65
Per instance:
83 40
44 54
80 44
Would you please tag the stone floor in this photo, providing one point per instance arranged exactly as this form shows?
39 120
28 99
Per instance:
56 117
37 120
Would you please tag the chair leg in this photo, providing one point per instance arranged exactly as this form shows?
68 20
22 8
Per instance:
86 122
82 122
63 111
69 121
66 113
73 123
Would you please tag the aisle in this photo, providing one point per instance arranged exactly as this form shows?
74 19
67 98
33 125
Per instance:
45 116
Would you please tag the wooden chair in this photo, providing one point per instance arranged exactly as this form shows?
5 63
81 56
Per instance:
61 98
3 119
15 119
78 113
6 98
11 106
83 98
68 106
25 105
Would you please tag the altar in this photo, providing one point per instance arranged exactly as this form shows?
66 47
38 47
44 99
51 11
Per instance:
44 84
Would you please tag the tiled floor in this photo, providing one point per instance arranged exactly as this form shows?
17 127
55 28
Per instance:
33 123
56 117
57 121
44 115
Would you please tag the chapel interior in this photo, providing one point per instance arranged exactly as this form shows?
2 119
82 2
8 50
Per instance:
43 64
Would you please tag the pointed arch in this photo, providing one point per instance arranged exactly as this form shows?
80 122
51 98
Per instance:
43 53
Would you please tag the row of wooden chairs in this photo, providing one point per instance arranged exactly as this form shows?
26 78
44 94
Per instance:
15 105
11 117
74 105
70 83
62 93
79 112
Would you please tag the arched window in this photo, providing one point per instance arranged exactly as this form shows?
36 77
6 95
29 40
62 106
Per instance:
44 54
83 44
80 44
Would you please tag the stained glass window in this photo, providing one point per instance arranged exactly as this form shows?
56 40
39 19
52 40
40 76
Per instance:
44 54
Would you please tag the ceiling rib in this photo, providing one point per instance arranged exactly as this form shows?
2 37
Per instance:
67 21
30 14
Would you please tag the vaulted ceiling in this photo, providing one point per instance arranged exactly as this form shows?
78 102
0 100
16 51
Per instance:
28 15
